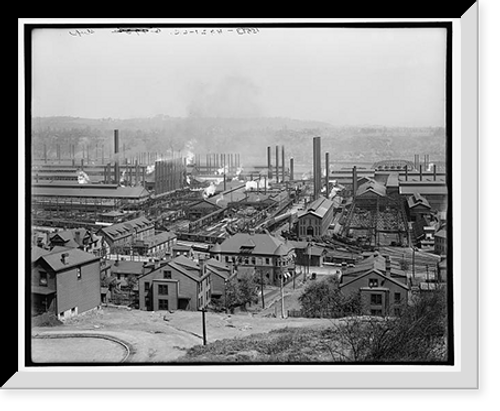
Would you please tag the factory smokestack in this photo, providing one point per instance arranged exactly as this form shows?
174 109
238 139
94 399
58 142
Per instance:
283 163
117 161
354 181
317 166
269 165
277 164
291 169
117 142
327 173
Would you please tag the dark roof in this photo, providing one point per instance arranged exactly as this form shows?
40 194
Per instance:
88 190
218 268
423 187
37 252
441 232
378 272
204 203
126 228
187 267
258 244
35 289
374 263
74 237
159 238
371 187
127 267
417 199
74 258
318 207
392 180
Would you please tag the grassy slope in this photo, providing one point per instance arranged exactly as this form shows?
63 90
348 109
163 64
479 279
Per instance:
284 345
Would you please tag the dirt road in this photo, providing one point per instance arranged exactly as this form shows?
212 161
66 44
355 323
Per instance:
161 337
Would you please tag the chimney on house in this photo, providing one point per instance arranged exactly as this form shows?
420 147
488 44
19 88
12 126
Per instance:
64 258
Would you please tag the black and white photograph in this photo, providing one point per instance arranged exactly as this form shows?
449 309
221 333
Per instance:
240 194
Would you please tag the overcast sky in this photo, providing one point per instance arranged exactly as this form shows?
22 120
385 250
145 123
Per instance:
341 76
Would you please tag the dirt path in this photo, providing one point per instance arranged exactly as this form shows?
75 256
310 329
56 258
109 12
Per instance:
161 337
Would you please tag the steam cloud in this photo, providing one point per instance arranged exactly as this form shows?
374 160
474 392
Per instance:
233 96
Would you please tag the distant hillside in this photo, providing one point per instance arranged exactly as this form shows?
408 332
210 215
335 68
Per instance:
248 136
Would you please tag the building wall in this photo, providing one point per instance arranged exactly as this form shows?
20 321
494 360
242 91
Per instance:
42 303
164 290
79 294
388 303
269 264
145 288
217 284
440 245
320 225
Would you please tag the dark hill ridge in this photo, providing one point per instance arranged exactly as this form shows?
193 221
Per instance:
248 136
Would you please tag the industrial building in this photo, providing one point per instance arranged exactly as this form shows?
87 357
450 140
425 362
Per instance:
270 255
315 220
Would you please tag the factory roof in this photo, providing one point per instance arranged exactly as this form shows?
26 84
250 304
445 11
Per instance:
126 228
425 188
371 186
258 244
156 239
418 200
66 189
392 180
318 207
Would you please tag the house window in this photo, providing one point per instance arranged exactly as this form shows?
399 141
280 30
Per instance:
253 260
162 289
267 261
146 287
163 304
376 299
372 282
397 297
167 274
78 273
43 279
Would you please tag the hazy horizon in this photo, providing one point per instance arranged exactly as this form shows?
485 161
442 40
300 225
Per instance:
340 76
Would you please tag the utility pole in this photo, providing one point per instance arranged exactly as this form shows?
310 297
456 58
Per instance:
262 288
413 264
282 296
204 326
